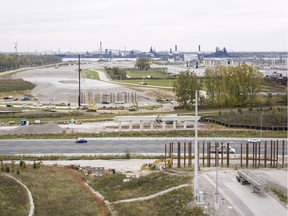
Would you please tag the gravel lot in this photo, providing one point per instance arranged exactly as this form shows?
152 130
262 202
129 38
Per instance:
61 85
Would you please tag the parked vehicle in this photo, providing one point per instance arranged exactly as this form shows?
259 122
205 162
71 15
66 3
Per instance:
25 98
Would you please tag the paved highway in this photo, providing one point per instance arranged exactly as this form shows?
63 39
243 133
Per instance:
112 145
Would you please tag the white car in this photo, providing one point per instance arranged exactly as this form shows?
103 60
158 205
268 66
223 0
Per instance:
231 150
254 140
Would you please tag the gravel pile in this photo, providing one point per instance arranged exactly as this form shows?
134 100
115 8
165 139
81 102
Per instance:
49 128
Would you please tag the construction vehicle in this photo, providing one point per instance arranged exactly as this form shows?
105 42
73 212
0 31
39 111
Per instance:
78 122
134 107
151 166
91 107
161 99
158 119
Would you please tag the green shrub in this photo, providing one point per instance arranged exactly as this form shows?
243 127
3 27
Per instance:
127 154
7 169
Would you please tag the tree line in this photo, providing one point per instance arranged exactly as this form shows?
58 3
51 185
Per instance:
13 61
225 86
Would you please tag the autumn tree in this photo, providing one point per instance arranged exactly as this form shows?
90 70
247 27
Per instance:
185 86
142 63
232 86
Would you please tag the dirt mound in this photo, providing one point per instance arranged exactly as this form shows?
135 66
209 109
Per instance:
49 128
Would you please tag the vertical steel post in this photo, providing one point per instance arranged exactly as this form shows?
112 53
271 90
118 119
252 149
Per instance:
277 152
203 154
265 154
179 156
271 155
259 153
274 153
165 154
190 154
208 153
247 154
222 148
228 154
184 154
172 153
241 156
283 153
253 149
256 155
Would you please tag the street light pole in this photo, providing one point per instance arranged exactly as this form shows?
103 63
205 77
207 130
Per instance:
79 71
196 147
217 190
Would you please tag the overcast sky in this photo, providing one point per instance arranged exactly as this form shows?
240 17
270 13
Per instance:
70 25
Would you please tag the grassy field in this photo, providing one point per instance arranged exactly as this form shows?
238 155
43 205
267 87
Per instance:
91 74
56 192
173 203
159 77
156 73
15 85
169 133
13 197
153 82
113 188
276 116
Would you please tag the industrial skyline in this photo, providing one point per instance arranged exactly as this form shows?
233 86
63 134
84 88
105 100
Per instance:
259 25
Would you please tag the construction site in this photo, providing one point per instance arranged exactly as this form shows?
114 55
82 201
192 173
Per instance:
234 177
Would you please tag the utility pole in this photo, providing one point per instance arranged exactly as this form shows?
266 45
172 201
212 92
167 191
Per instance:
196 147
79 71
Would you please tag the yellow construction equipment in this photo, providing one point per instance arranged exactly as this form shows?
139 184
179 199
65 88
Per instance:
134 107
161 99
168 164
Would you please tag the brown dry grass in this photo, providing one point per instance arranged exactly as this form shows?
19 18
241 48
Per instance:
56 192
13 197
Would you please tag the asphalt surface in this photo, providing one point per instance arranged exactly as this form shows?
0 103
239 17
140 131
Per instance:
237 199
111 146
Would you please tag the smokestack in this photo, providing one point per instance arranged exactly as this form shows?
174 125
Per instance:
100 47
199 48
175 48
